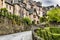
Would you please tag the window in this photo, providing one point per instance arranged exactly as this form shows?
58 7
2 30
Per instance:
19 11
38 17
33 21
26 14
34 10
37 22
39 9
10 13
2 2
25 5
34 16
6 5
21 14
10 7
31 6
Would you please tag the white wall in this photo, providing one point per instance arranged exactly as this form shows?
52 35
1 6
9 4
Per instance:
18 36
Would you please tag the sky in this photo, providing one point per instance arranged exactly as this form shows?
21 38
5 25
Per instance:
49 2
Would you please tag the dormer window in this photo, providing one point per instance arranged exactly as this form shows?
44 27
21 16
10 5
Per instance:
19 1
11 1
22 1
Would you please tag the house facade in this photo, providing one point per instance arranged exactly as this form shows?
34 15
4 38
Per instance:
23 8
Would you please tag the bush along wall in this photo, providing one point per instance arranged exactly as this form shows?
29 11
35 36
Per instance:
11 23
47 33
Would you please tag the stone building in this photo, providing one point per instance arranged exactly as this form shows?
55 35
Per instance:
24 8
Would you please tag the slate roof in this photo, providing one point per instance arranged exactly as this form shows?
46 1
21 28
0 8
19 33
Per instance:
8 1
38 4
19 3
15 1
31 11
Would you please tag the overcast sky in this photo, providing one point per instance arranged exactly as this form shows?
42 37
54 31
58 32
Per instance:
49 2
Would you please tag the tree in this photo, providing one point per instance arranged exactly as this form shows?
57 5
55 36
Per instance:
27 20
3 12
54 15
42 19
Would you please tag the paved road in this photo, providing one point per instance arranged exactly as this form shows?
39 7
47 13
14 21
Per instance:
18 36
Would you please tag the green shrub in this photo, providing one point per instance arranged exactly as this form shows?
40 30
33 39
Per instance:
56 36
14 18
42 19
47 33
54 15
55 30
27 20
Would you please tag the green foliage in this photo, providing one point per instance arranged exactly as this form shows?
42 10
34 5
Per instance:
56 36
15 19
12 23
55 30
52 33
27 20
3 12
42 19
54 15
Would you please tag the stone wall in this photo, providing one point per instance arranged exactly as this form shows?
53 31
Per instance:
18 36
